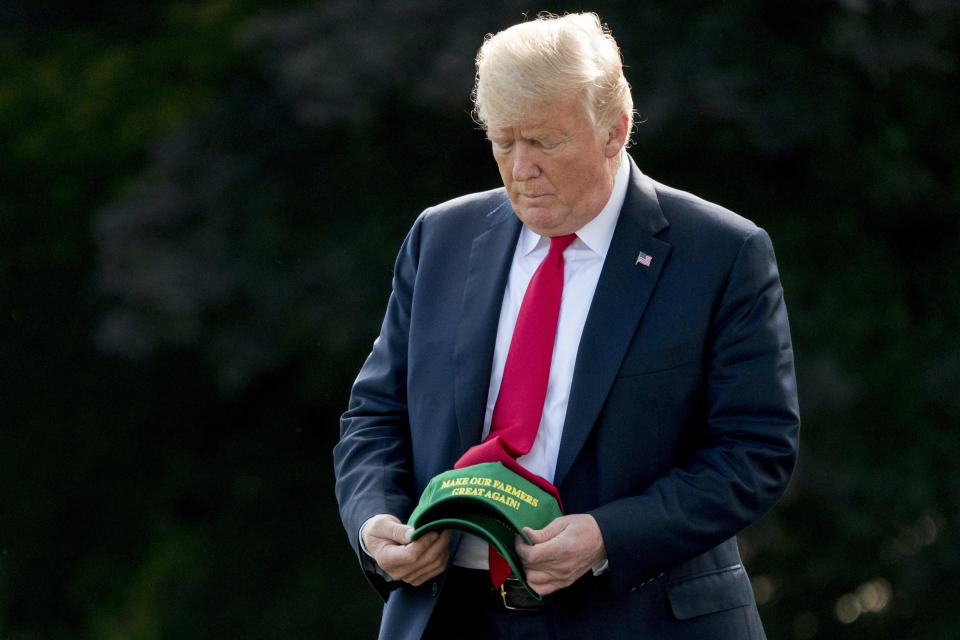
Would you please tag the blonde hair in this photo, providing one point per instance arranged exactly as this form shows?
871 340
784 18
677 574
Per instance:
530 64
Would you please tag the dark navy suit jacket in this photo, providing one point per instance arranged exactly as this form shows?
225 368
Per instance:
682 422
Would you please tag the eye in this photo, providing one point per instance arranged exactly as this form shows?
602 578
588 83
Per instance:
546 145
502 146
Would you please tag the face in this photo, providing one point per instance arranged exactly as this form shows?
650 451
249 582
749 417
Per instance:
557 169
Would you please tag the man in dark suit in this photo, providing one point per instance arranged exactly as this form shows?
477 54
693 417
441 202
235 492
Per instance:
670 418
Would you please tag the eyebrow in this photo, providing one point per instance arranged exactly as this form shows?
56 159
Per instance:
535 133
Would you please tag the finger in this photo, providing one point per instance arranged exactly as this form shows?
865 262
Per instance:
442 540
398 559
414 547
544 582
431 563
541 582
427 572
437 547
544 589
392 559
412 553
523 549
423 559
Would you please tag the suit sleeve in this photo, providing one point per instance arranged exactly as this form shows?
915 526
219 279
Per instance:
749 449
372 460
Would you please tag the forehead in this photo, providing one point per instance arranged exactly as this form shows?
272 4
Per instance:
565 117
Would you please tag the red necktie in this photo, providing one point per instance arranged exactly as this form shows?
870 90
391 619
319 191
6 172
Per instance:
519 406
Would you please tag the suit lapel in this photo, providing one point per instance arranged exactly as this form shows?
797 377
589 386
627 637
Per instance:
490 257
621 296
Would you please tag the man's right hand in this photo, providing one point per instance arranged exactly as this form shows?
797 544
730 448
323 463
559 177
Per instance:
388 542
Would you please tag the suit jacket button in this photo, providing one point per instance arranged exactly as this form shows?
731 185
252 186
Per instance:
434 589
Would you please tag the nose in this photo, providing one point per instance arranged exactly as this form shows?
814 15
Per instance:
525 161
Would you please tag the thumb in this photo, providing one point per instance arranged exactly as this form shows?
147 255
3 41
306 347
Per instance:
401 533
538 536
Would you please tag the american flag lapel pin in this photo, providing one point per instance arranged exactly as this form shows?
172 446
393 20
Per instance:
644 259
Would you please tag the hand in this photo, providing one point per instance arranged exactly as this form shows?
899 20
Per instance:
562 551
388 542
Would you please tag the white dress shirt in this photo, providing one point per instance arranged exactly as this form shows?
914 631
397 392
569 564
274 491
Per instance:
583 260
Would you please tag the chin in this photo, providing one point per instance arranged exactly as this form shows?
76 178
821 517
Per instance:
538 220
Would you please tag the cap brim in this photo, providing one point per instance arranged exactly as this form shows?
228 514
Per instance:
472 517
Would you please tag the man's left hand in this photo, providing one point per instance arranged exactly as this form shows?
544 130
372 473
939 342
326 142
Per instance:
562 551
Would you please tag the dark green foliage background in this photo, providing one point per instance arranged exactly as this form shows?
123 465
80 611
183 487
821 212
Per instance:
200 203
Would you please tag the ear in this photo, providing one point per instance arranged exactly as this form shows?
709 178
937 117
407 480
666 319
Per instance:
616 136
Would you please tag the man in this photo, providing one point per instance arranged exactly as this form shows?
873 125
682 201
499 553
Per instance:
669 421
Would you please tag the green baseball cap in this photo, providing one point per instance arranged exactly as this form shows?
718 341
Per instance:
489 501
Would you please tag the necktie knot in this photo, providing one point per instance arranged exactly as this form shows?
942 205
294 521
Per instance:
559 244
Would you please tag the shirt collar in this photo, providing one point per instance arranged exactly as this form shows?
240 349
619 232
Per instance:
598 233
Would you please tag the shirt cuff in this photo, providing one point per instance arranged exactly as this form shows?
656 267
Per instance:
601 568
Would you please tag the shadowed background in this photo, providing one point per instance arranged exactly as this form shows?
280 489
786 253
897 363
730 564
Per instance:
200 204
